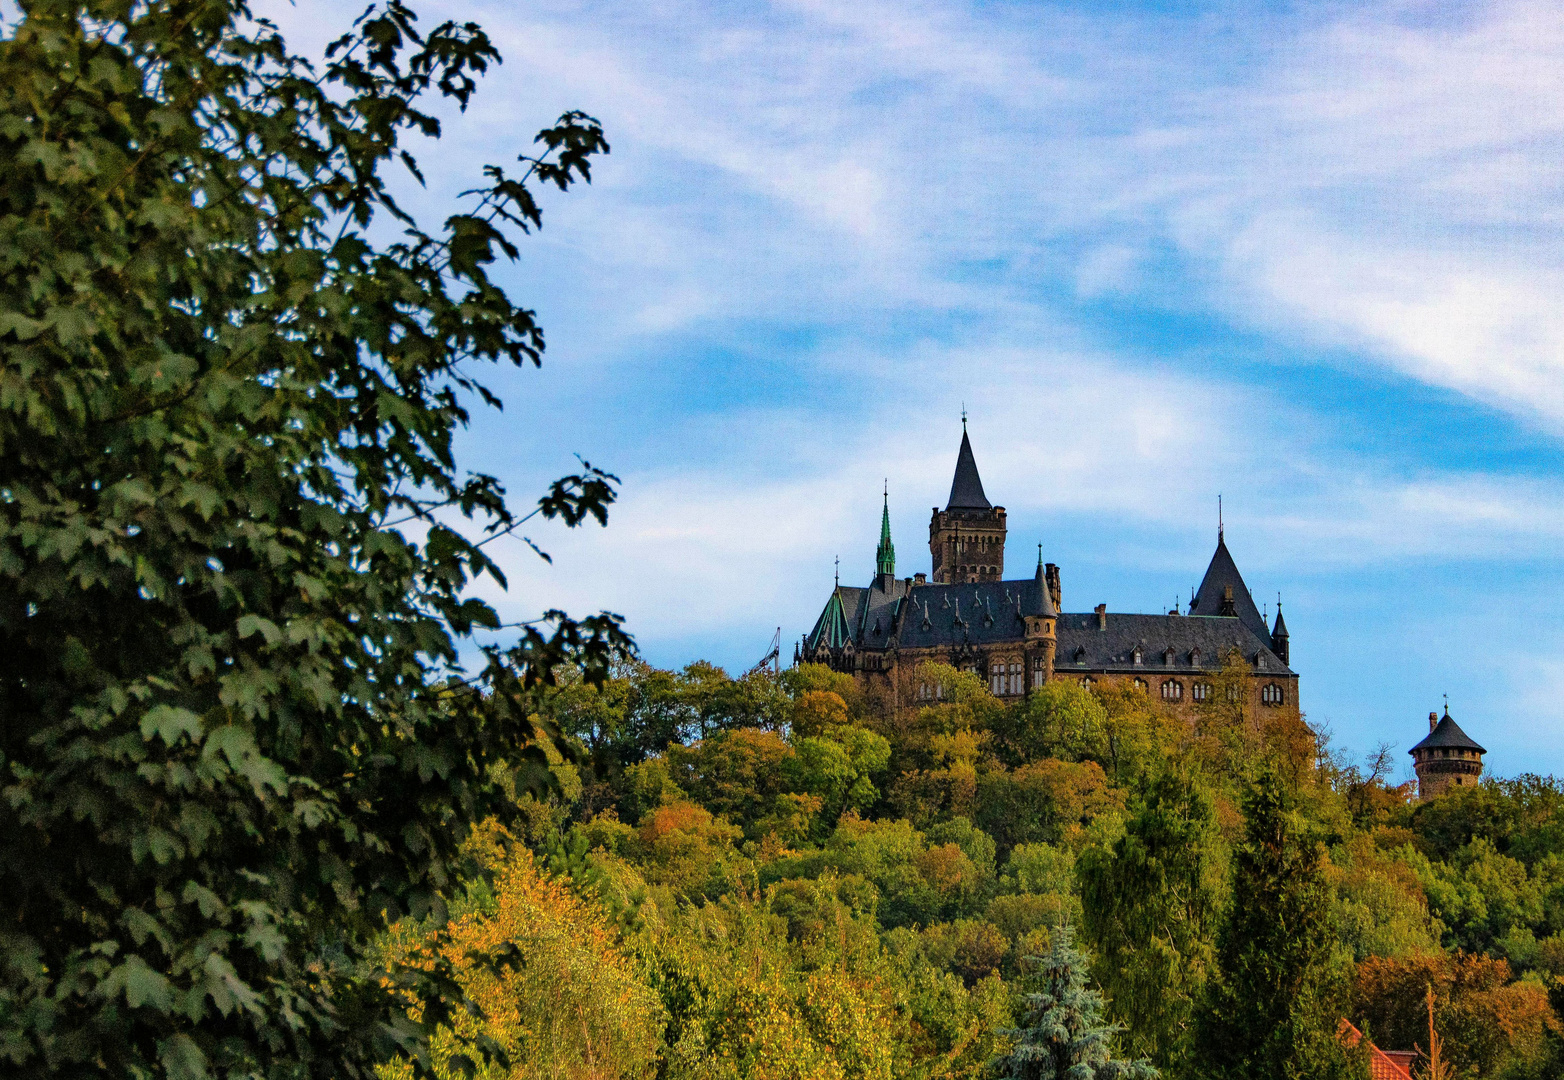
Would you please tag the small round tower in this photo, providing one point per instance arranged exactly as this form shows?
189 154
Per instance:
1445 758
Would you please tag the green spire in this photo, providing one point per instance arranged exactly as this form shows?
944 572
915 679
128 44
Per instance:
885 556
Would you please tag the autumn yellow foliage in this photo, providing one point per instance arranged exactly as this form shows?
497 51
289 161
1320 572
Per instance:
568 1006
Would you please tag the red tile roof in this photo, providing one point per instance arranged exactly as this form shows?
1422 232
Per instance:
1383 1065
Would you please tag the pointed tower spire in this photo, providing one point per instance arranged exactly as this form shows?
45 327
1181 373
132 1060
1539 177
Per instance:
885 555
1223 592
1279 643
966 489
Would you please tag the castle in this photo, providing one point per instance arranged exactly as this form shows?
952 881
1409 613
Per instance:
1015 632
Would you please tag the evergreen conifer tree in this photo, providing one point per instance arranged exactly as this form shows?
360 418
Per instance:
1152 904
1273 1010
1064 1036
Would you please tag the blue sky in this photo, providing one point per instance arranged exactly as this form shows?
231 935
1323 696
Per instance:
1306 256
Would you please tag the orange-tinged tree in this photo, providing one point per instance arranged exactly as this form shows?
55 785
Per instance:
559 996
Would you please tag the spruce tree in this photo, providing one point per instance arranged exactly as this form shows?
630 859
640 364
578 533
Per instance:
1273 1010
1064 1036
1152 905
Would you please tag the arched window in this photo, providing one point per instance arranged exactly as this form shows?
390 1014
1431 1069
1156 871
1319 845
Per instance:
1135 657
1194 657
1172 690
1232 691
1140 684
1017 679
1167 657
1201 691
1272 694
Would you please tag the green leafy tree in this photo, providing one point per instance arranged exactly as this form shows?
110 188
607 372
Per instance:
1063 1035
234 543
1151 906
1282 985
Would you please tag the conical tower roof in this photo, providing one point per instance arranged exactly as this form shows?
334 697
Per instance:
1447 733
1221 575
1280 629
1045 598
966 490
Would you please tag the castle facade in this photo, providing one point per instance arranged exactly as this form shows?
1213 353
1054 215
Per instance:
1016 633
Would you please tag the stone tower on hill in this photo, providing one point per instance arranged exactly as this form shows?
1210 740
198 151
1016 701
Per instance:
967 538
1446 758
1016 634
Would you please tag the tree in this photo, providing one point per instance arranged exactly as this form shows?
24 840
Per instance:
558 992
235 546
1063 1035
1280 992
1151 906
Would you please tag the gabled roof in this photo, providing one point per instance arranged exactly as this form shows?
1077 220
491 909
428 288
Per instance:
966 490
1447 733
832 629
1220 575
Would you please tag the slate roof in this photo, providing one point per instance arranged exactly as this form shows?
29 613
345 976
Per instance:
1280 629
966 489
1199 643
1221 573
921 616
1447 733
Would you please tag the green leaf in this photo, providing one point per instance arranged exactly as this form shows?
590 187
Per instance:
169 722
140 985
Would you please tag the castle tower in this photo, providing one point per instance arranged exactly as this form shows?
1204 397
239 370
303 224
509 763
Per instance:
967 538
885 554
1446 758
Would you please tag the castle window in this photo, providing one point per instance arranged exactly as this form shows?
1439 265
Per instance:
1080 654
1135 657
1086 682
1232 691
1167 657
1039 673
1201 691
1172 690
1194 657
1140 684
996 680
1272 694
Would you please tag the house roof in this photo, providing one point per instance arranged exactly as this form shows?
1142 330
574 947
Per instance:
966 489
1447 733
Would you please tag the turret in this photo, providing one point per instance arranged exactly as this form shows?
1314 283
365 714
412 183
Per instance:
1445 758
1279 635
885 554
1041 619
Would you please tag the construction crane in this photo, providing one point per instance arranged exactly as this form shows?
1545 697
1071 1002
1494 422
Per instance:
773 657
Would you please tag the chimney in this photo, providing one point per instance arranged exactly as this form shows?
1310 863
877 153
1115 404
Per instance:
1433 720
1051 575
921 579
1102 616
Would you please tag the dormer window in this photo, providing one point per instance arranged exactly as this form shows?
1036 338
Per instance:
1080 654
1135 656
1194 656
1167 657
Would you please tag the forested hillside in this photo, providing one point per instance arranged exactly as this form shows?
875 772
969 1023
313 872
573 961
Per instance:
776 877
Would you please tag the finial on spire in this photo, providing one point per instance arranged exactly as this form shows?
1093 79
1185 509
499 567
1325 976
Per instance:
1219 515
838 571
1447 707
963 417
1039 554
